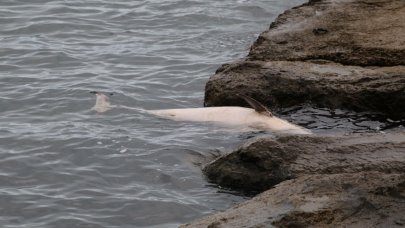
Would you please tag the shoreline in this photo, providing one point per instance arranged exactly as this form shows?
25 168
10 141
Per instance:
325 53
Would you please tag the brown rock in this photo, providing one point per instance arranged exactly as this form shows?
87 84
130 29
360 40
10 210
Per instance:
260 165
299 60
366 199
364 33
285 84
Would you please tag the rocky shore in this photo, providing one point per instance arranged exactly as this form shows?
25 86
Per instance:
365 199
263 163
330 53
347 54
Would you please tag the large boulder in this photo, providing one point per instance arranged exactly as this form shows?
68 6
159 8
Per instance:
337 54
366 199
351 32
263 163
284 84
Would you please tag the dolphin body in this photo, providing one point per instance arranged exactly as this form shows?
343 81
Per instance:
232 116
257 117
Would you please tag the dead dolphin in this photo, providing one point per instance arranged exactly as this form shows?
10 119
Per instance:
257 117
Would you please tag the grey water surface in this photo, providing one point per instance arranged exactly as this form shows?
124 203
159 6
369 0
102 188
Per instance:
63 165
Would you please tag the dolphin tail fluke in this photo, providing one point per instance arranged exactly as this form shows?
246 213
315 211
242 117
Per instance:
102 102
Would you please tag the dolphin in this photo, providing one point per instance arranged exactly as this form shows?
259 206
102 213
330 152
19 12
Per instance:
257 117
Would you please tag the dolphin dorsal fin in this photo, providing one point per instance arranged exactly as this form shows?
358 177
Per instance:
257 106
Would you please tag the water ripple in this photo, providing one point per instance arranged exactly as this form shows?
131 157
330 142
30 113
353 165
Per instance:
63 165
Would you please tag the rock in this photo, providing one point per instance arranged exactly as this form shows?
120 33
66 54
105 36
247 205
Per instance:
285 84
259 165
336 54
365 199
363 33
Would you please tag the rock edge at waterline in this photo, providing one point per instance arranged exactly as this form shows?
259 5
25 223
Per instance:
365 199
317 181
263 163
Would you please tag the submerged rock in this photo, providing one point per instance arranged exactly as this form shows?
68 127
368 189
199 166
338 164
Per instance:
365 199
259 165
336 54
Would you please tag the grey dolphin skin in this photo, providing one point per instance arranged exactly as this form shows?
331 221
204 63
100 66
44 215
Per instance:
257 117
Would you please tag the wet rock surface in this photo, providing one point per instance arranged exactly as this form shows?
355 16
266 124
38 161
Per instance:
365 199
284 84
351 32
261 164
336 54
